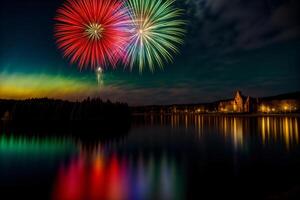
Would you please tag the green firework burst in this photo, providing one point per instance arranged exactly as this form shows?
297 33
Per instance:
156 32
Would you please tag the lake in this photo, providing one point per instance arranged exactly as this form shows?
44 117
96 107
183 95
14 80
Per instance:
159 157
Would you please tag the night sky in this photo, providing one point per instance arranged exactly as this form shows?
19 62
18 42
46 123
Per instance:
250 45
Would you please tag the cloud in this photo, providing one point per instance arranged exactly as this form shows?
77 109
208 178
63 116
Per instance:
228 25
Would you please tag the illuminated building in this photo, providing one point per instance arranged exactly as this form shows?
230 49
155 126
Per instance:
278 104
286 103
240 104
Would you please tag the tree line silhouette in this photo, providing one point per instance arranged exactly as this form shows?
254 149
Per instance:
90 119
50 109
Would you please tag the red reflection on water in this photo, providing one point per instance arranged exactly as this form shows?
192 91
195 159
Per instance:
97 176
71 181
113 179
109 177
90 180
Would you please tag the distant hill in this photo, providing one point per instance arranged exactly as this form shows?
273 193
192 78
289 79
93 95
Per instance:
205 107
294 95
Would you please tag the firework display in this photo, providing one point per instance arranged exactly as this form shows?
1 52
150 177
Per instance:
155 33
92 32
140 33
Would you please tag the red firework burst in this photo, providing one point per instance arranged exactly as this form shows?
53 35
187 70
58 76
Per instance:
92 32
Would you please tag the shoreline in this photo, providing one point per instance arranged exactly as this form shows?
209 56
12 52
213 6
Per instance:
222 114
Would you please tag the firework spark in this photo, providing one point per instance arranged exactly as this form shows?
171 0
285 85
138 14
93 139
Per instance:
92 32
156 31
99 74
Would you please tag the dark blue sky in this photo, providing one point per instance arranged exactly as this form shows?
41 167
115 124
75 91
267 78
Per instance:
230 44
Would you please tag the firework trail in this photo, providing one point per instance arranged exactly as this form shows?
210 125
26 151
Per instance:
155 33
92 32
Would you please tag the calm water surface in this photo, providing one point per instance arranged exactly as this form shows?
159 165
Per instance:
161 157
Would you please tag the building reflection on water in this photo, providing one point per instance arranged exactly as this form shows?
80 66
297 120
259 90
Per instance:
279 129
269 129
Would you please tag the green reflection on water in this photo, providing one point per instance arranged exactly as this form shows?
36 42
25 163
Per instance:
35 145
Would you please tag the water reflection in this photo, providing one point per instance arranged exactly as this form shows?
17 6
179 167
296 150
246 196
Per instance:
30 146
162 157
106 175
279 130
270 130
30 162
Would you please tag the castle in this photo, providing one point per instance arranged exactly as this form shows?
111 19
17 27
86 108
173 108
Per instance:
240 104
